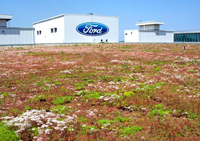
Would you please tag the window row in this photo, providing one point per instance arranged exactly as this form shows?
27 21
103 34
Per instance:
127 33
53 30
103 41
190 37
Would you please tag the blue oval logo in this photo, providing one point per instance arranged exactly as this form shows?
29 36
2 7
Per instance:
92 29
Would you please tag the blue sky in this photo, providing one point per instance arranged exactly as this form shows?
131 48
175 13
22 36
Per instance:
177 14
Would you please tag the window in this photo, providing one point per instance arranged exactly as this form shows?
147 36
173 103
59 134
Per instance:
39 32
126 34
53 30
187 37
101 40
106 40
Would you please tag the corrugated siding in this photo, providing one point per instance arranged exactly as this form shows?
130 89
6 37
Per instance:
14 36
157 36
26 36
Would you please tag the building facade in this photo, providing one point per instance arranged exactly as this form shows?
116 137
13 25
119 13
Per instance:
149 32
187 36
14 36
68 28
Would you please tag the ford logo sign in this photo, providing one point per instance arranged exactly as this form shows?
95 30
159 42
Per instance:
92 29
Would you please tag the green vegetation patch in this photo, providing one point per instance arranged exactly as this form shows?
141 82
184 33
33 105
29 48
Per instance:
40 98
6 134
34 131
127 94
60 109
130 130
91 95
158 110
62 100
88 129
105 121
121 119
82 119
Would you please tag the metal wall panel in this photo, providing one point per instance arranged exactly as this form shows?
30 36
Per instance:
16 36
72 36
3 23
26 36
156 36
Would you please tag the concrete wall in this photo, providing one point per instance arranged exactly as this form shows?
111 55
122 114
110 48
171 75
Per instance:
131 36
16 36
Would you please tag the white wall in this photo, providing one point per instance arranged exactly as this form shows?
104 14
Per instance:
66 26
45 28
113 25
131 36
71 35
156 36
72 21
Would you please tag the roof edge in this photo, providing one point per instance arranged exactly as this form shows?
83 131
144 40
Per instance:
16 28
187 31
70 15
49 19
150 23
5 17
156 30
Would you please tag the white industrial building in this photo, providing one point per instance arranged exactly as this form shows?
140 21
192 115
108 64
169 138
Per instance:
149 32
69 28
14 35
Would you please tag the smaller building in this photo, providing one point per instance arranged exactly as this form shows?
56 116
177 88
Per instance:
187 36
149 32
14 35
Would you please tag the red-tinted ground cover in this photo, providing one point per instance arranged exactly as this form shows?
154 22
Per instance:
101 91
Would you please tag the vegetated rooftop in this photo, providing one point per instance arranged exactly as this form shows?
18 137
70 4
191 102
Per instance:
100 92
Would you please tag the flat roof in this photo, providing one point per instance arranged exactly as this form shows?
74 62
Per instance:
5 17
186 31
150 30
149 23
7 28
156 31
70 15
